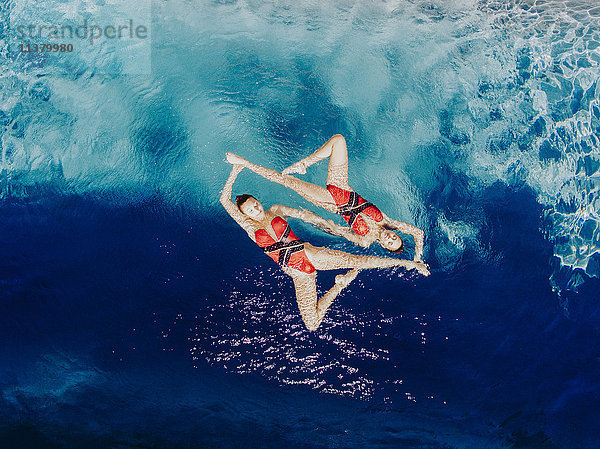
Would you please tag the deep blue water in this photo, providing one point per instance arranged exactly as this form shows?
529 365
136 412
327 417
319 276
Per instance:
135 313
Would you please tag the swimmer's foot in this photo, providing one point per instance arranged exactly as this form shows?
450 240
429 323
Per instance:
344 279
235 159
299 167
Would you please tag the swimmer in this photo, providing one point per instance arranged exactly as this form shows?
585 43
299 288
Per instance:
300 260
367 223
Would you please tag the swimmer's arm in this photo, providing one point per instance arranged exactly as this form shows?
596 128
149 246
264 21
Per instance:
325 225
341 231
229 205
406 228
314 311
284 211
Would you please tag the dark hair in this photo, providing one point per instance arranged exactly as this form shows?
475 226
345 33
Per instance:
241 199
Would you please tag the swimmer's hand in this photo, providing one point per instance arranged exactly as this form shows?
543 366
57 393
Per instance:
344 280
422 268
234 159
298 167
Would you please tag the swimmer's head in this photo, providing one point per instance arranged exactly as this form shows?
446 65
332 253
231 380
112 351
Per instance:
389 240
250 206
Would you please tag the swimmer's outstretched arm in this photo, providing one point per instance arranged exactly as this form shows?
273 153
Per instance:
341 231
406 228
229 206
285 211
325 225
314 311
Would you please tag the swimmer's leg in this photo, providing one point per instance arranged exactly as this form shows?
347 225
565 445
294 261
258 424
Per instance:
331 259
336 150
314 311
311 192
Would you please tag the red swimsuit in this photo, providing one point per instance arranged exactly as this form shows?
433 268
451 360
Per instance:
351 205
287 250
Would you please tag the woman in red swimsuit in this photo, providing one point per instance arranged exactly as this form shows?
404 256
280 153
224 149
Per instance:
367 223
299 259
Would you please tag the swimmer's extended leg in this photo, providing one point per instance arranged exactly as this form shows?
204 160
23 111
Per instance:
311 192
314 311
336 150
331 259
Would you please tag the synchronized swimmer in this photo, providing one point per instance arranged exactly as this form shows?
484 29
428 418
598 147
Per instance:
367 223
301 260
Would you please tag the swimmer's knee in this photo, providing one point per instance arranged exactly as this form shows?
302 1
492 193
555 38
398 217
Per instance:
338 141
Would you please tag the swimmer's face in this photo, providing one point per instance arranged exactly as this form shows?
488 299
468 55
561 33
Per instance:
253 209
390 240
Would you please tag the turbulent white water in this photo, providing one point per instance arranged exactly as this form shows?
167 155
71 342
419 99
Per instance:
486 91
